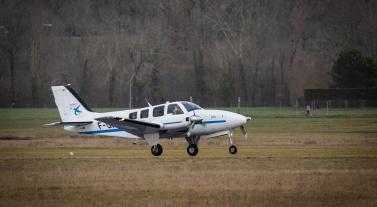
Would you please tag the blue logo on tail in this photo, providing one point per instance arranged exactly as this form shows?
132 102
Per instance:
77 110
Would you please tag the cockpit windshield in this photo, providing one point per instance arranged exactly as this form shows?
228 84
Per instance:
190 106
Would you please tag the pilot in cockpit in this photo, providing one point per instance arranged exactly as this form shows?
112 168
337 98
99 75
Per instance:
175 109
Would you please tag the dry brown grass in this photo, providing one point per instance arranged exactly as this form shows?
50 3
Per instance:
256 177
287 162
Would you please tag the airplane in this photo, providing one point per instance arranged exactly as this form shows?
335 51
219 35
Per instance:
169 120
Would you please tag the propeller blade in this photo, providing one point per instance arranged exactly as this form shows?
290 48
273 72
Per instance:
243 130
194 120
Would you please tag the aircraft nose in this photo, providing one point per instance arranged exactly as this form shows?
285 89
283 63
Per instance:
242 119
237 119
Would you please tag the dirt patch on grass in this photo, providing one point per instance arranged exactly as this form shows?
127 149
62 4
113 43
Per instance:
14 138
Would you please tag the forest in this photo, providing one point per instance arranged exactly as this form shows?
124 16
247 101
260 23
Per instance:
264 51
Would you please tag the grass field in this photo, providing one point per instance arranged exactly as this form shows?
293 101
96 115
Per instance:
327 160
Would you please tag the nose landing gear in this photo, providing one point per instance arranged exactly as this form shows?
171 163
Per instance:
232 148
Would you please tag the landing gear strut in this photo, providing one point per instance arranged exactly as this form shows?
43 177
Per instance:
232 148
192 149
156 150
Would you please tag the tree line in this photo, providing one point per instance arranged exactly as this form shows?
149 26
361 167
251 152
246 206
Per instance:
265 52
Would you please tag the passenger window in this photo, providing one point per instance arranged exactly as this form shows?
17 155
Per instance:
158 111
174 109
133 115
144 114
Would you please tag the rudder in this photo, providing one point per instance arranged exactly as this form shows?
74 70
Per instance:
71 107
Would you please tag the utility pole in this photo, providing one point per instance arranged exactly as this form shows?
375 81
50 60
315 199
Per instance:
130 89
239 104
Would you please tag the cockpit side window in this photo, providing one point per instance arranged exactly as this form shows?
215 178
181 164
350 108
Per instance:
158 111
144 114
190 106
174 109
133 115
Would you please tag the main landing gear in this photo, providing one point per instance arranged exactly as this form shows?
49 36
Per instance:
232 148
192 149
156 150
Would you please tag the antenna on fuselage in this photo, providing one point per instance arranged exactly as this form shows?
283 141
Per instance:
149 104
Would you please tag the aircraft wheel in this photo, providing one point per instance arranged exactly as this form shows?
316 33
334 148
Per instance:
192 149
233 149
156 150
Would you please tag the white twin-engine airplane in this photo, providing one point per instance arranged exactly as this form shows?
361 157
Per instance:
169 120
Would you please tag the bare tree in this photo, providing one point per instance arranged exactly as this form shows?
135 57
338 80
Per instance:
235 39
13 28
136 49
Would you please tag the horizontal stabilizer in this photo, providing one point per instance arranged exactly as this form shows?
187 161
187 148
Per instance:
79 123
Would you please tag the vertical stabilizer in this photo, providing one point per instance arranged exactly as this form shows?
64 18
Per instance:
71 107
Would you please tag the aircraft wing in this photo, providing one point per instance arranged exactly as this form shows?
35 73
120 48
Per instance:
138 128
79 123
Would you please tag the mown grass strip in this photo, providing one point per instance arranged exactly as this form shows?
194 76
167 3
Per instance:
55 153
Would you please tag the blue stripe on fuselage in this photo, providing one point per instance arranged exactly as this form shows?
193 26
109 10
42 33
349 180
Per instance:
212 121
102 131
174 122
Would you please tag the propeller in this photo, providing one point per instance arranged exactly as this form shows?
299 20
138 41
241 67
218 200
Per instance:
243 130
194 119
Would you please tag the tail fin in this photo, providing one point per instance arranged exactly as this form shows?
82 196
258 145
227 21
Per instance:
71 107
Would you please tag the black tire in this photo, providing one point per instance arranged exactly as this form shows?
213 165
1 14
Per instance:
156 150
192 149
233 150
